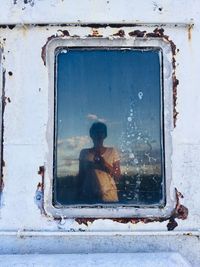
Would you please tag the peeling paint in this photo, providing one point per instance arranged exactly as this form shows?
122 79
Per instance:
159 32
179 212
31 2
39 194
190 27
137 33
64 32
2 136
185 166
120 33
43 52
95 33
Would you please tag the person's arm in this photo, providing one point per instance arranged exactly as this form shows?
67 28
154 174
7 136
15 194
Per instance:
113 170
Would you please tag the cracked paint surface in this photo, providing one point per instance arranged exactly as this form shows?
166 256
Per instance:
25 102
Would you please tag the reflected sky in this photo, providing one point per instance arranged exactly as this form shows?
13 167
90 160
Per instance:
118 87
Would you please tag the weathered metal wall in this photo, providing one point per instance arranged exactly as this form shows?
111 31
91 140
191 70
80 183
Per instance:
26 27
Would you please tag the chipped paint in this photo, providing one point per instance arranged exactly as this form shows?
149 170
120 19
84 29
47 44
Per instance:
95 33
39 194
179 212
120 33
159 32
190 27
24 148
43 52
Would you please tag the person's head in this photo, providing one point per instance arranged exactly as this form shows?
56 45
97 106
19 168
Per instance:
98 132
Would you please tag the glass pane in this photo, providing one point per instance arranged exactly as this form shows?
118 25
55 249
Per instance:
108 136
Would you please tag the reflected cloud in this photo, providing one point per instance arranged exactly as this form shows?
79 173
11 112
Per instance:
94 117
68 150
74 142
77 142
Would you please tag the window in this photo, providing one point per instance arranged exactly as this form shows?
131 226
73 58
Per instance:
111 124
2 73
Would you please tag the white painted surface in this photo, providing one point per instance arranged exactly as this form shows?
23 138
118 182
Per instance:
91 260
104 11
26 119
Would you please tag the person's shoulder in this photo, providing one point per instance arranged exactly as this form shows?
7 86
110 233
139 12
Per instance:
111 149
84 152
115 154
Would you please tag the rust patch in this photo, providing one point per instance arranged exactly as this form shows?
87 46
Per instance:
2 130
39 194
11 26
159 33
42 172
120 33
179 212
95 33
64 32
1 185
137 33
104 25
6 100
85 220
172 224
43 53
31 2
190 27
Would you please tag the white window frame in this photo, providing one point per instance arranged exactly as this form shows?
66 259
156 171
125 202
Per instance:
106 211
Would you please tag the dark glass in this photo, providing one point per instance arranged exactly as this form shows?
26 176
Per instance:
121 88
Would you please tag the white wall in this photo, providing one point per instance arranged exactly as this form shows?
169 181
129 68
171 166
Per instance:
25 145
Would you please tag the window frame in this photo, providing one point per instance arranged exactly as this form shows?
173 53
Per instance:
2 85
106 211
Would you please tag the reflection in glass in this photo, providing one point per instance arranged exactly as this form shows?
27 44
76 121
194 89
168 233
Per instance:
120 89
99 169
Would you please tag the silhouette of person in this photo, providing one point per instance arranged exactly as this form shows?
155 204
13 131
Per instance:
99 168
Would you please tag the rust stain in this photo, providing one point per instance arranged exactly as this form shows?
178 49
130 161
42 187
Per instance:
179 212
137 33
172 224
190 27
64 32
40 190
120 33
6 100
112 25
41 172
1 184
2 130
85 220
159 33
11 26
43 52
95 33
